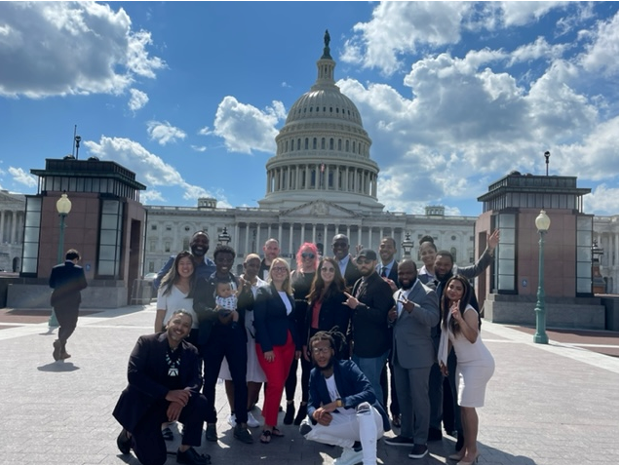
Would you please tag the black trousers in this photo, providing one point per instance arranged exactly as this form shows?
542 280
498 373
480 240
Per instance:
291 381
67 320
148 443
229 342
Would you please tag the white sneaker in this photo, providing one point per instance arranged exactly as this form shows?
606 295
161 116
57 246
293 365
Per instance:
232 420
251 421
349 457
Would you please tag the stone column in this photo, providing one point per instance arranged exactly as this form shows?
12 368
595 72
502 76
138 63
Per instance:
247 233
279 233
314 233
2 227
291 250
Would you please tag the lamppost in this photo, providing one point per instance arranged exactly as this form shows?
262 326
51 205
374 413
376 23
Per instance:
542 223
547 156
407 245
63 207
224 237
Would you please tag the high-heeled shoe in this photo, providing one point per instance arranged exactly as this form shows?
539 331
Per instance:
475 460
289 417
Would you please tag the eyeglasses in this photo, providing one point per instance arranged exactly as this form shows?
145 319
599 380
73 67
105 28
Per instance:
328 270
321 350
308 255
279 269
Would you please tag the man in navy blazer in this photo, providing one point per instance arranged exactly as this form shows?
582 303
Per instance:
413 317
342 407
67 280
164 385
348 268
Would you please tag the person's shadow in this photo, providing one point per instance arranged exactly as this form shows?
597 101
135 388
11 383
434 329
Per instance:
58 367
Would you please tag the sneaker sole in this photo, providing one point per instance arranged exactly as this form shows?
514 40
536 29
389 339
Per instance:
418 456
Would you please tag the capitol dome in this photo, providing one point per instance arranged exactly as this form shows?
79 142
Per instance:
323 152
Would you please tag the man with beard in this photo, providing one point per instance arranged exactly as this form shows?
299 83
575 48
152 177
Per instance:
349 270
370 301
204 266
271 252
342 406
222 334
164 385
440 396
415 314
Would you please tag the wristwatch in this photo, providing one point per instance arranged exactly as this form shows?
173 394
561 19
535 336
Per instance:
338 402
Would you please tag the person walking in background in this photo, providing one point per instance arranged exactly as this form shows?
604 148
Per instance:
277 341
302 278
475 364
326 308
164 385
67 281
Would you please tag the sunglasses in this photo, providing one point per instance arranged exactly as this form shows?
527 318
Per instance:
328 270
308 255
363 261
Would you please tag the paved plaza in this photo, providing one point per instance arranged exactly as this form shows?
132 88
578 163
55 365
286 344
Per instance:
546 405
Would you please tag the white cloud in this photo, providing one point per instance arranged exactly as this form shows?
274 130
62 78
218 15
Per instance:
246 128
151 169
164 132
205 131
138 99
601 54
522 13
61 48
22 177
199 148
604 200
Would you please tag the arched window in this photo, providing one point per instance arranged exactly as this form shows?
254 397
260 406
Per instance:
331 143
286 149
314 144
347 145
339 144
454 253
306 143
299 143
322 143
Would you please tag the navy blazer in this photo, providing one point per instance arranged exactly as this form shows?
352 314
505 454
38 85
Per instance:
352 385
148 377
271 321
67 280
351 273
333 313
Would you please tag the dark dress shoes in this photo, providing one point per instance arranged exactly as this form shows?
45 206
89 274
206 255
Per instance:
123 441
191 457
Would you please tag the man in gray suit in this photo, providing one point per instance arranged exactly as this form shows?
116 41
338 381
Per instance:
413 317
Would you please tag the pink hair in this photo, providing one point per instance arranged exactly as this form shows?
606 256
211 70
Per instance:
312 248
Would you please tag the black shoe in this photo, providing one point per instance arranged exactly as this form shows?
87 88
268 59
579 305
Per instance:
167 434
396 421
357 447
289 417
191 457
400 441
305 428
301 414
57 353
460 441
419 451
123 441
242 434
434 434
211 432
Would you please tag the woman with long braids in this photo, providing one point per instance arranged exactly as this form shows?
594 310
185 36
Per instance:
460 329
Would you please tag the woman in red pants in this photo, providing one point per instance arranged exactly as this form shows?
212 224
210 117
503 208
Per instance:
277 341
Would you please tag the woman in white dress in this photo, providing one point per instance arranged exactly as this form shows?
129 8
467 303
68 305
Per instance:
475 363
174 293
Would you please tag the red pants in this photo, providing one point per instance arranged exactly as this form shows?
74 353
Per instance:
276 373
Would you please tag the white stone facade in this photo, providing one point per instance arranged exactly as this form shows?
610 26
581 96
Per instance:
12 210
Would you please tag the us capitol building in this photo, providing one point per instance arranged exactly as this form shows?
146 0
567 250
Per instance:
322 182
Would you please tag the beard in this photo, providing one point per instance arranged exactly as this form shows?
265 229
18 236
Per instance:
327 367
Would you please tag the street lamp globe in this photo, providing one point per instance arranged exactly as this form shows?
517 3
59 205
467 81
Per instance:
63 205
542 222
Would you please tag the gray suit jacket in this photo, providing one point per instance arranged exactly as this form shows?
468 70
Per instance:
412 342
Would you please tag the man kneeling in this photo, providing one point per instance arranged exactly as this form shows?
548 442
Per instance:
342 406
164 384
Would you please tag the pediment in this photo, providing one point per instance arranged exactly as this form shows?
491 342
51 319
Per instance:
318 209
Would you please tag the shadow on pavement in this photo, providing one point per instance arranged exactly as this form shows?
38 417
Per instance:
58 367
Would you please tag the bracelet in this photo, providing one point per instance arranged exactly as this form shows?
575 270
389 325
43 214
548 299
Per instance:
338 403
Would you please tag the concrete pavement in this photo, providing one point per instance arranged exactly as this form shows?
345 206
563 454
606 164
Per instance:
546 405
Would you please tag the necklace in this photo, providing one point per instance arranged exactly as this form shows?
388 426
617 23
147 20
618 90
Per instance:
173 360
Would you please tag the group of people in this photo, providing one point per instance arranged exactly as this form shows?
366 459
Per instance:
343 319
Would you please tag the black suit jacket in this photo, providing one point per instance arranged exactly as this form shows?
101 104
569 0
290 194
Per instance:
271 321
149 382
333 313
371 334
393 273
352 273
67 280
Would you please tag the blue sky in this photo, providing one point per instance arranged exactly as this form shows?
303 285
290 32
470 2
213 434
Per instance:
190 95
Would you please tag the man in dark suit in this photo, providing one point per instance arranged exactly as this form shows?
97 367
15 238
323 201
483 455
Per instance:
388 270
67 280
164 385
370 301
415 314
348 268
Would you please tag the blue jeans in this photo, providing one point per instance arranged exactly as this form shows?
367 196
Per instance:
372 368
